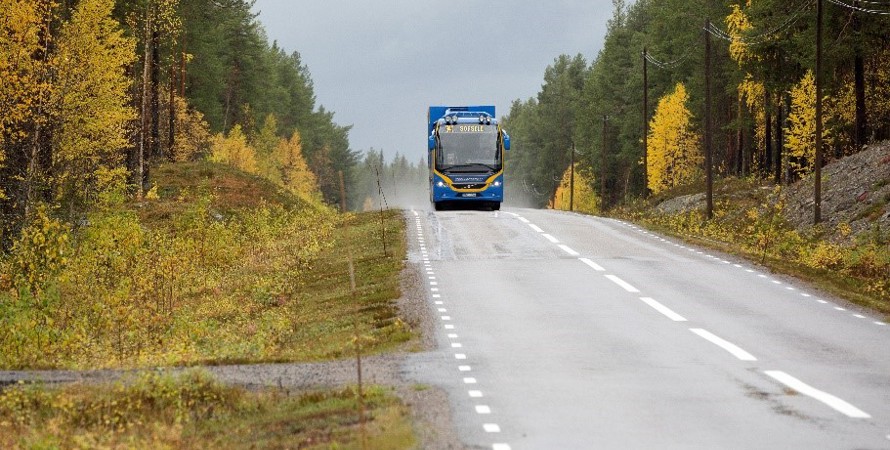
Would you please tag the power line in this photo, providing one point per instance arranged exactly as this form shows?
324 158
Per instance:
667 65
764 36
861 9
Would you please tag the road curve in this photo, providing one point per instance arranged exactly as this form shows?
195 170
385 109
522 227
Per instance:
558 330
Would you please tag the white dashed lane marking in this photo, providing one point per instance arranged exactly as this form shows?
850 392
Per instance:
824 397
491 428
550 238
625 285
724 344
536 228
592 264
663 309
568 250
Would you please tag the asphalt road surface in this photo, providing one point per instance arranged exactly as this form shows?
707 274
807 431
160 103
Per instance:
562 331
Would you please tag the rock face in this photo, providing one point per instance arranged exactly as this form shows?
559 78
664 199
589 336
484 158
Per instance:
855 190
682 204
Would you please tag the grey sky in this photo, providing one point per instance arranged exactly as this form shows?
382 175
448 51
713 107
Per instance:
378 65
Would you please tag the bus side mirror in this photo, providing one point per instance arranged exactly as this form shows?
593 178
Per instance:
506 141
432 143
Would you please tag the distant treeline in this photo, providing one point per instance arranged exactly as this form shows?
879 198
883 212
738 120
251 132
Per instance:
762 58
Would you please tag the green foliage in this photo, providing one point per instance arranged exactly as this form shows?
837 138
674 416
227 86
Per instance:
542 130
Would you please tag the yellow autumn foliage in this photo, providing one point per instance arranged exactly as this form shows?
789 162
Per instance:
737 23
674 156
585 198
800 134
234 150
192 133
90 97
22 77
292 167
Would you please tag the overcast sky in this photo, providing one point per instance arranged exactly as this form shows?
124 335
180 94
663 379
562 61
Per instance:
379 65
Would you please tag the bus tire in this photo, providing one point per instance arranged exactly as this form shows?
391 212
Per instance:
438 206
495 206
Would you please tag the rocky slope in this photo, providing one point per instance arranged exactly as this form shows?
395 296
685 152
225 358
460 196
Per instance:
855 190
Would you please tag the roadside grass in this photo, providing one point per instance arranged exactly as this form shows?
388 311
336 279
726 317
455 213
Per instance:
218 267
192 410
749 222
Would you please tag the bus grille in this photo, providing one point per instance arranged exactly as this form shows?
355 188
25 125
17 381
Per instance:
469 186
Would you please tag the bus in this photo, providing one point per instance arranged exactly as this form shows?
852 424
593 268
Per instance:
466 156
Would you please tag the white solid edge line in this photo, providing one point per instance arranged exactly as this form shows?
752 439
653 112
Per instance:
568 250
535 228
551 238
627 287
724 344
663 309
824 397
592 264
523 220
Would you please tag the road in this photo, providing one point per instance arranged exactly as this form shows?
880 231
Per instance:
558 330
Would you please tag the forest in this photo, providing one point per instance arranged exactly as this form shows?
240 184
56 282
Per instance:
97 92
762 83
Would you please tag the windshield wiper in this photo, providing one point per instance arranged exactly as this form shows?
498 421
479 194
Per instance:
467 166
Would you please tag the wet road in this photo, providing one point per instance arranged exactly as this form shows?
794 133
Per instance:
558 330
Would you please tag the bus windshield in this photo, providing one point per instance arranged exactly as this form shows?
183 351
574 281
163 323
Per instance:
468 148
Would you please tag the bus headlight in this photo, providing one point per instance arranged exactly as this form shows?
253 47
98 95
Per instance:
440 184
497 184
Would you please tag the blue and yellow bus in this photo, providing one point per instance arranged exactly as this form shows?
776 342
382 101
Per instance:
466 156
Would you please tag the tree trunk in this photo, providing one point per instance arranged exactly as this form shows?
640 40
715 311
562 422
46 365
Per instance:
861 137
141 171
156 151
768 149
171 127
777 178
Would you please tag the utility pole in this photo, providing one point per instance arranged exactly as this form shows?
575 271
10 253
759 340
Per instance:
572 180
645 123
817 197
603 163
709 170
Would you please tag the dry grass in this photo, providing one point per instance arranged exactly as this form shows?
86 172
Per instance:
192 411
